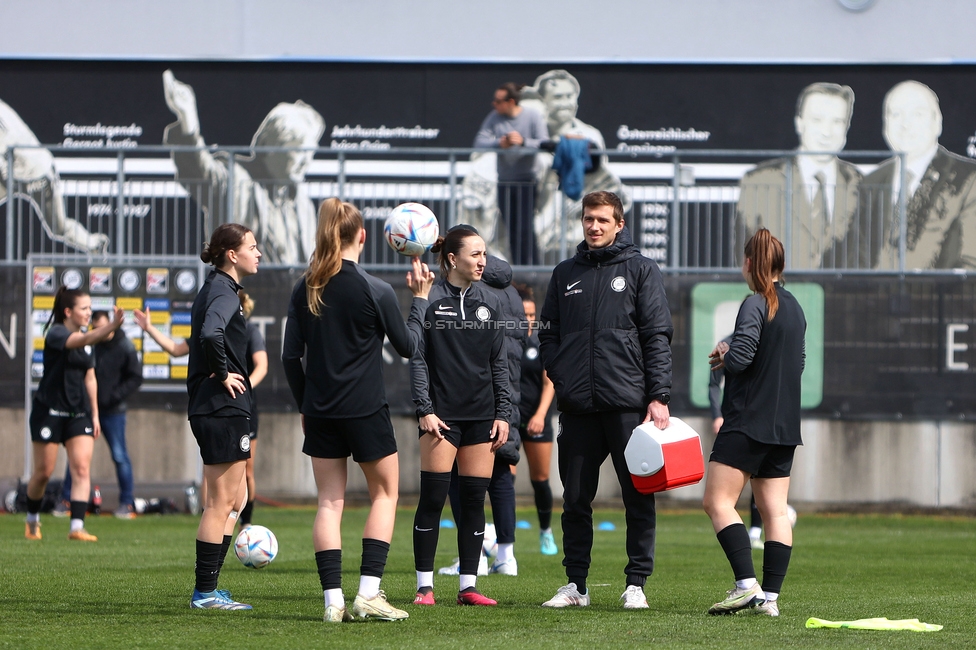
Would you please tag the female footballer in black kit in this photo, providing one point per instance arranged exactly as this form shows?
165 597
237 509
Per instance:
761 430
219 404
65 408
460 385
337 319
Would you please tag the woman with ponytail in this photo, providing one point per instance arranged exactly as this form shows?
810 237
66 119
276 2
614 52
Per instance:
460 386
220 402
761 428
338 318
65 407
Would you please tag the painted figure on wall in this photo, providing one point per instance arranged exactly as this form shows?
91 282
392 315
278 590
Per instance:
824 188
270 195
940 191
37 181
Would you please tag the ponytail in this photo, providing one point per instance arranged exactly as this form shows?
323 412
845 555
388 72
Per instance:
64 299
339 226
765 252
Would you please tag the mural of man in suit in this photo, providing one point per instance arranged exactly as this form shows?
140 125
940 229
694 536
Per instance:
824 188
940 191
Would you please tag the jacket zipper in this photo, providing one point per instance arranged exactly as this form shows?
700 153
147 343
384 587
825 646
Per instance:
592 337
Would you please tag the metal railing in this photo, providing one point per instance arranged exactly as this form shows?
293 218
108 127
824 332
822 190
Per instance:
688 210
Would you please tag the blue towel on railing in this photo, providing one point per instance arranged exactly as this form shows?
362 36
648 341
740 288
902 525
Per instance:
572 160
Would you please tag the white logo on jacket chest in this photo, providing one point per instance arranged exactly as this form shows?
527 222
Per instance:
532 354
618 284
482 313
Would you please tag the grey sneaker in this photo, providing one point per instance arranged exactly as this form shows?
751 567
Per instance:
126 511
335 614
377 607
634 598
737 599
62 509
568 596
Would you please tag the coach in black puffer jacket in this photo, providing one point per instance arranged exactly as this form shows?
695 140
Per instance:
605 336
608 342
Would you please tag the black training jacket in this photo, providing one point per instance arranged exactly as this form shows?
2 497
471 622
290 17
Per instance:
497 279
762 371
118 372
343 346
460 371
218 346
605 330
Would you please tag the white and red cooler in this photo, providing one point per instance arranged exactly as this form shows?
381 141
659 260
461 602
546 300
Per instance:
666 459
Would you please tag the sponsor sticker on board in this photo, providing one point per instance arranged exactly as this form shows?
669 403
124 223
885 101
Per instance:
100 279
43 281
157 281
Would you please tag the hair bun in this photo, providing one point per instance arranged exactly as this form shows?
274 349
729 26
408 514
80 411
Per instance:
205 254
438 245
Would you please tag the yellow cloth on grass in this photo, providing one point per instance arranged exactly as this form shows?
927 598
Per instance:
912 624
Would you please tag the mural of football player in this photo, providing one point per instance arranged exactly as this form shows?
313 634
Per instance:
559 91
37 181
270 195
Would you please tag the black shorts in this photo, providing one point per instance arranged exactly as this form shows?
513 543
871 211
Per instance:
366 439
466 432
222 439
546 435
759 459
252 432
58 428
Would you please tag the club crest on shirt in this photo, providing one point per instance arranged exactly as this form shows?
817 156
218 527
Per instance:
618 284
482 313
532 354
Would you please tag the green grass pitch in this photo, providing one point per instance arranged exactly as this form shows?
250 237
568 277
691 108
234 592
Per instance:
131 589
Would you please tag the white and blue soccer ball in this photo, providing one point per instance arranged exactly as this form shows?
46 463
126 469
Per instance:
256 547
411 229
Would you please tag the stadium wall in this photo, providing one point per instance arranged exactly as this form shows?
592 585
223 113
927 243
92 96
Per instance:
899 465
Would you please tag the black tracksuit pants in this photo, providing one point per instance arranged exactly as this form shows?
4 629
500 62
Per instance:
585 441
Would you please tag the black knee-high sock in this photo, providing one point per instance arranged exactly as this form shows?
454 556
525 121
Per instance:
329 564
543 503
776 559
34 505
735 542
244 519
427 521
78 509
501 491
755 518
471 528
224 547
453 495
208 566
375 553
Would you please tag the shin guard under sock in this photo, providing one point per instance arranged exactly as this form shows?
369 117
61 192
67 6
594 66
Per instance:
207 567
543 503
738 548
427 521
329 565
471 528
776 559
